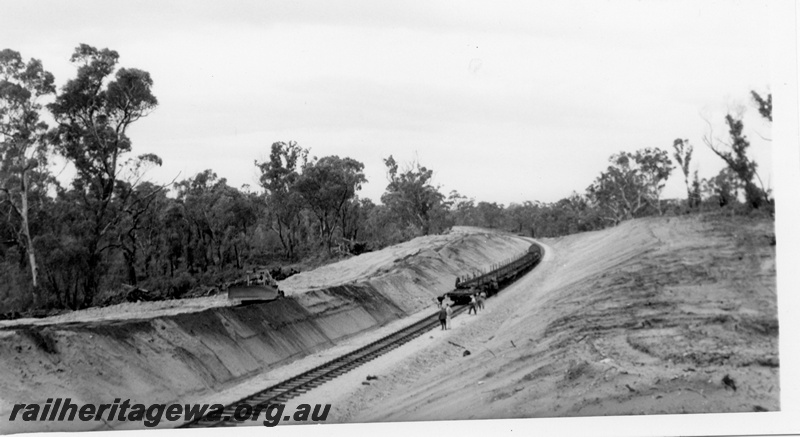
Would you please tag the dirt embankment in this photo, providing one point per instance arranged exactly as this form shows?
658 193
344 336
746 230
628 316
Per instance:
157 354
655 316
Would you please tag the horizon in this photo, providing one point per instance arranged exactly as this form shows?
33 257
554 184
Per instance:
540 95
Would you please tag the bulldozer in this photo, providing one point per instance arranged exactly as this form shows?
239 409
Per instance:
256 287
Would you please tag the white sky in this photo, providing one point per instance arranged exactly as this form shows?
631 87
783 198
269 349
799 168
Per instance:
506 101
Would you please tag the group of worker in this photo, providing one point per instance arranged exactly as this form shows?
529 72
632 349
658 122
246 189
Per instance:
446 311
476 302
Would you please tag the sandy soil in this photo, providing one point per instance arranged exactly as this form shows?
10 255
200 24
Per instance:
651 317
454 246
648 317
209 350
367 266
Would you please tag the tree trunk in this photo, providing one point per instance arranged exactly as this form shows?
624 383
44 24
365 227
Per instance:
74 300
238 257
91 280
130 260
27 233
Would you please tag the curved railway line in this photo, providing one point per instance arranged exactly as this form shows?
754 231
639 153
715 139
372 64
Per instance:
281 392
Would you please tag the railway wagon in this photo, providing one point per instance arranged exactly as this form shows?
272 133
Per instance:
500 274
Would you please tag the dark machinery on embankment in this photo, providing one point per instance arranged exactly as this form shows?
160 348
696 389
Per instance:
261 287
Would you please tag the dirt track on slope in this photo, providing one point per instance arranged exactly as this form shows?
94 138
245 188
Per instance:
655 316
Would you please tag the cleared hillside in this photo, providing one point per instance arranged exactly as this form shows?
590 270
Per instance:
655 316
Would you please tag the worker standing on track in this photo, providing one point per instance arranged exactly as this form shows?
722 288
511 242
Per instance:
443 316
473 305
481 297
449 312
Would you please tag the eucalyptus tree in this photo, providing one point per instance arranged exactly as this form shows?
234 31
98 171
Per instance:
724 187
218 218
631 184
734 153
683 154
279 177
329 187
137 202
461 209
23 151
412 197
491 214
94 111
524 217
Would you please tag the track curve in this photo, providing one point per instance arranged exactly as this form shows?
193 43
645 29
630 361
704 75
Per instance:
281 392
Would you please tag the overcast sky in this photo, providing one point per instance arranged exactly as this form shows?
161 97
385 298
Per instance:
506 101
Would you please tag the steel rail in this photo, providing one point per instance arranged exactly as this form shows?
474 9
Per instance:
283 391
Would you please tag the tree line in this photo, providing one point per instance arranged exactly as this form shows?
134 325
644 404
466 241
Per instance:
631 187
75 246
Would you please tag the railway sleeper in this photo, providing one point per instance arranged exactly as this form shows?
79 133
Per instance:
303 383
306 380
262 399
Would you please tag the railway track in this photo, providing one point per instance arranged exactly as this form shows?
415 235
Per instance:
281 392
299 384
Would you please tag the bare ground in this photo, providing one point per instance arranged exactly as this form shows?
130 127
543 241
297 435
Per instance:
403 266
211 350
655 316
650 317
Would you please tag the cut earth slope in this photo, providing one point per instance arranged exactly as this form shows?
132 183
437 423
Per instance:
654 316
158 353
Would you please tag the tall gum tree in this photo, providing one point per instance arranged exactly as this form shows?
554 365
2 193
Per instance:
328 185
23 151
683 155
94 111
411 196
136 199
279 177
632 183
734 153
